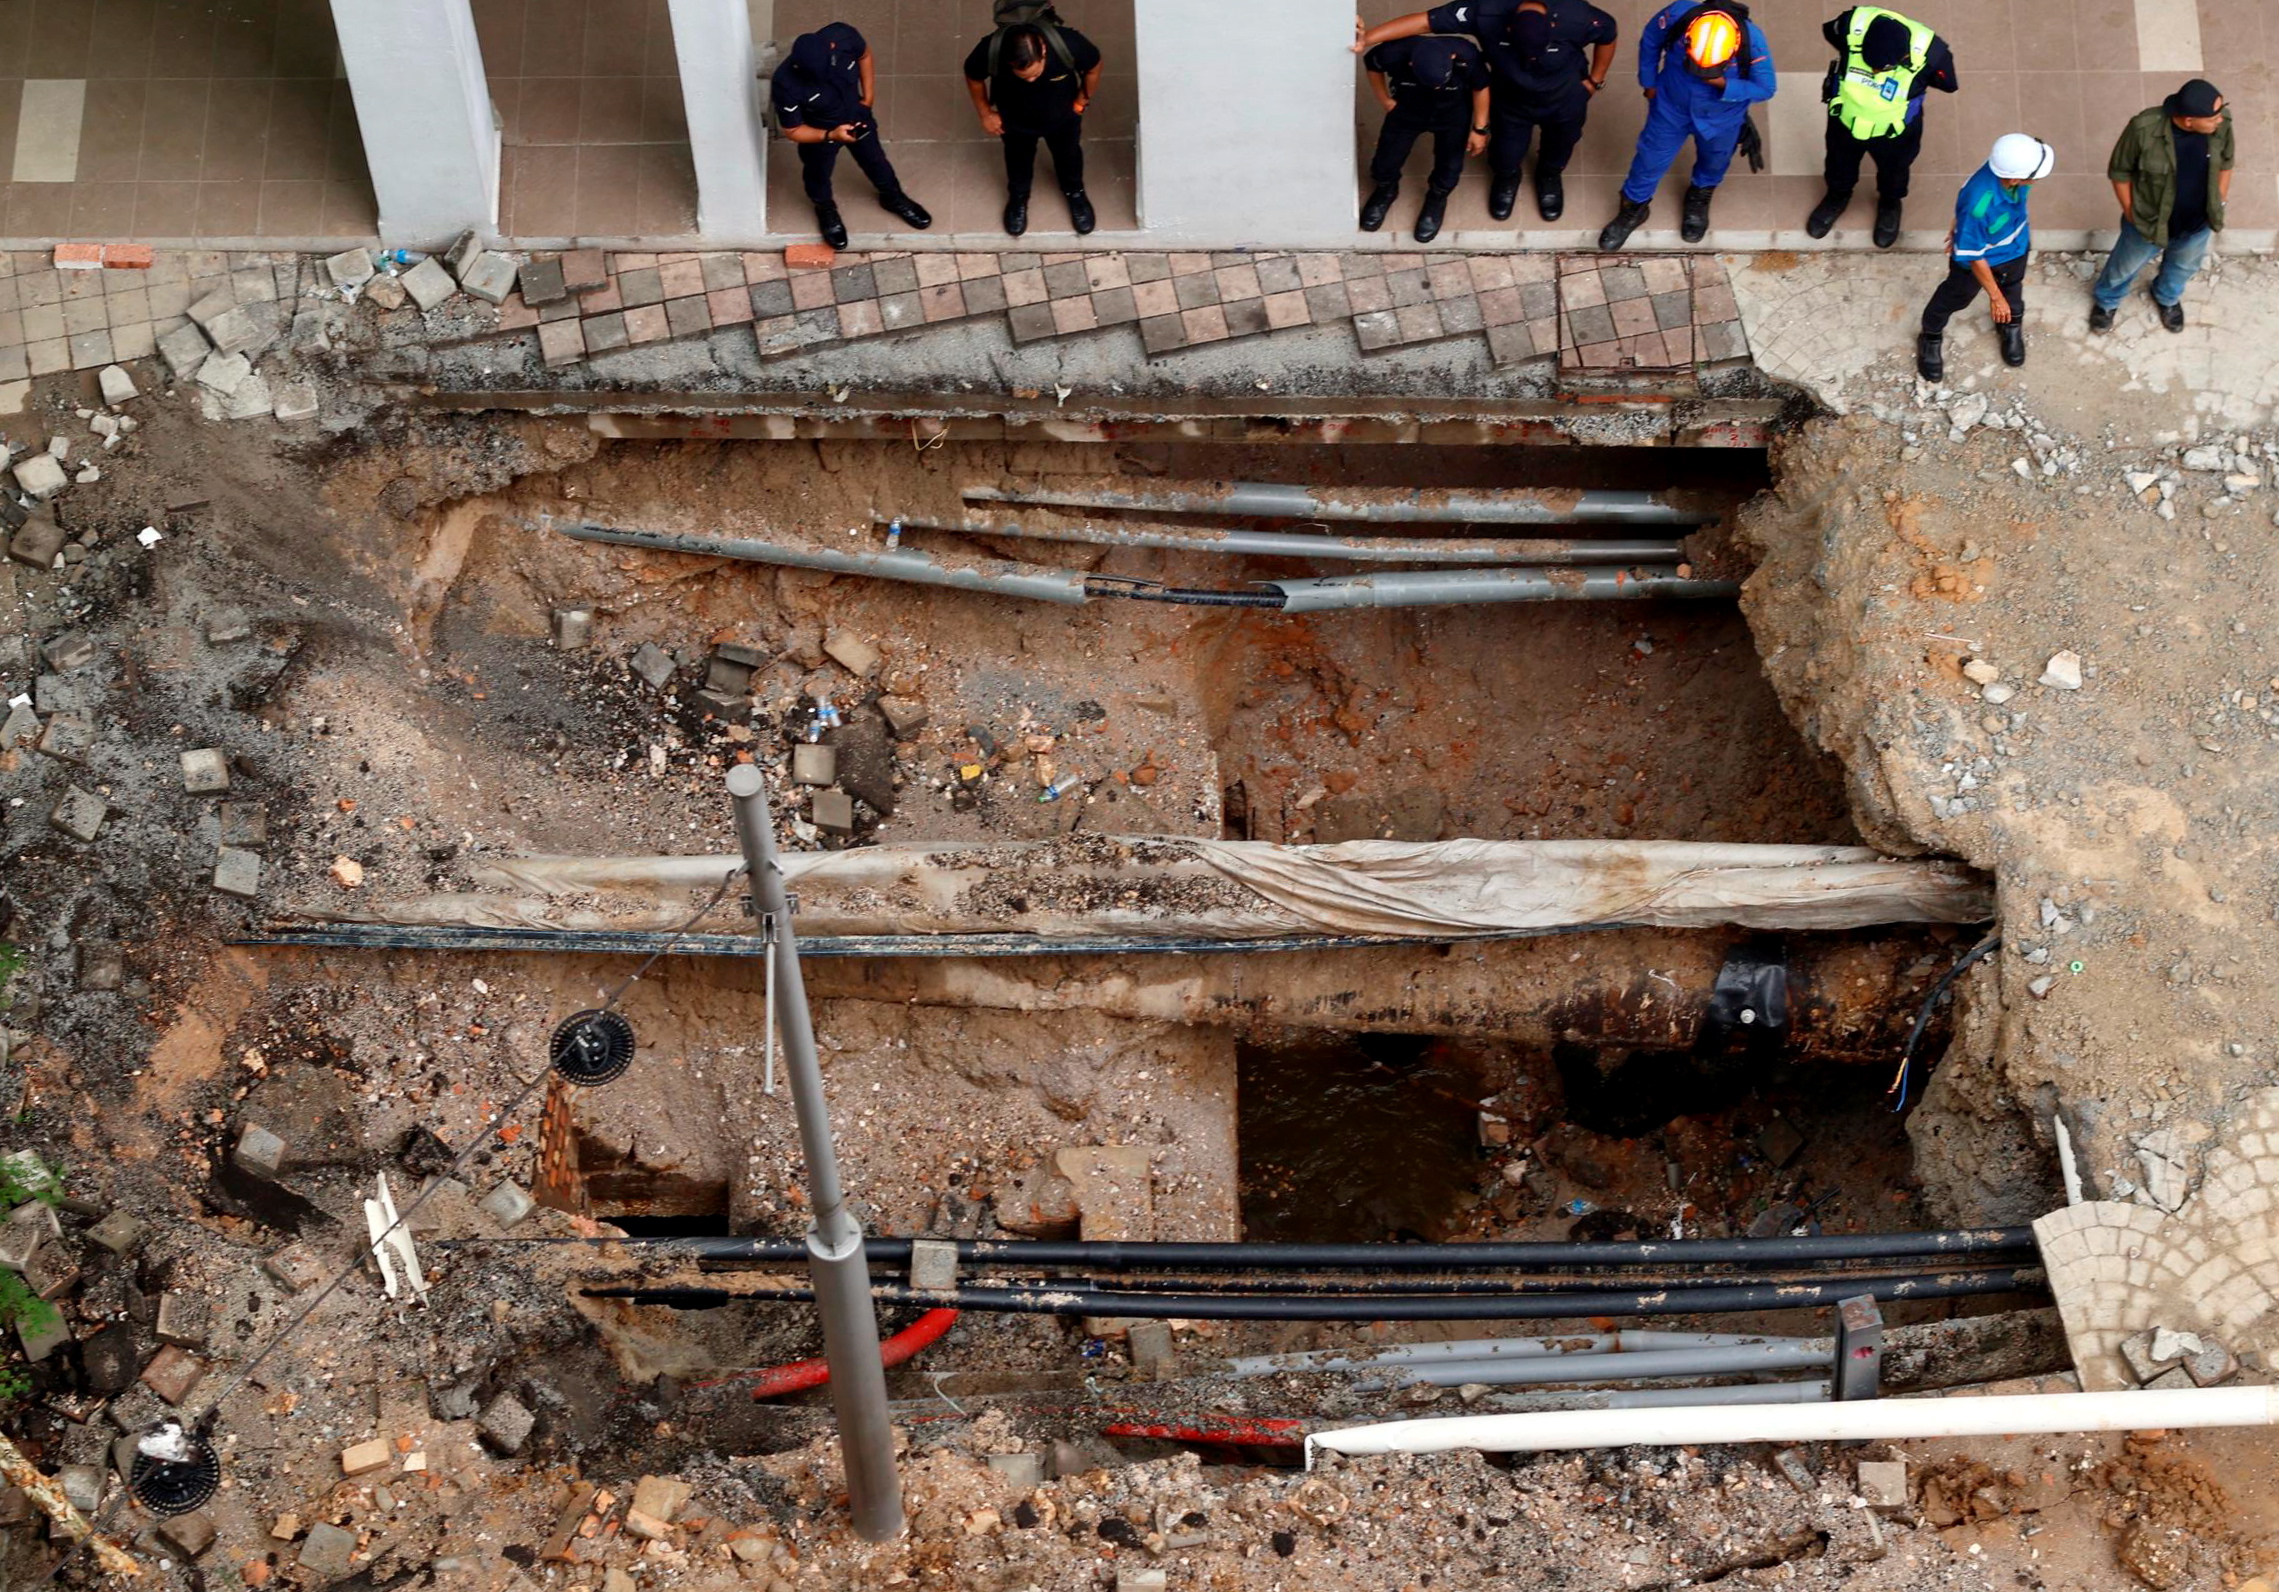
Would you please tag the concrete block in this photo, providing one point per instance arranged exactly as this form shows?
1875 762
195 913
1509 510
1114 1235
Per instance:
727 675
40 476
905 716
350 268
296 401
359 1459
38 539
213 306
489 276
752 658
21 725
429 285
834 812
79 814
505 1425
236 331
67 738
561 344
51 1273
507 1204
661 1497
2213 1365
646 1526
188 1535
814 765
226 625
237 872
1024 1471
82 1485
933 1264
573 628
653 664
172 1373
462 252
184 1320
52 693
542 282
295 1266
727 709
205 772
118 387
245 826
42 1331
582 270
224 373
74 649
111 1359
851 653
184 349
1133 1578
260 1152
1150 1345
118 1232
386 291
326 1552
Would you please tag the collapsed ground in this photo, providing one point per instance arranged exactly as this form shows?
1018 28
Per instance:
397 701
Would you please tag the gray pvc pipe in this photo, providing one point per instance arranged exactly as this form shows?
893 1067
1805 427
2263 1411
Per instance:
1000 576
1298 544
1664 1398
1424 588
1403 505
1490 1349
1736 1360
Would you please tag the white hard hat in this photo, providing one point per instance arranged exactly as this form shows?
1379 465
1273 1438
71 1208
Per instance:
2021 157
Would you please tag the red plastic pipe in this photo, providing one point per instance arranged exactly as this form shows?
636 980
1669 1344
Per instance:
1231 1430
800 1375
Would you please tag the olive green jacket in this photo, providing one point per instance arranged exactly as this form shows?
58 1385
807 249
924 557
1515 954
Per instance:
2144 156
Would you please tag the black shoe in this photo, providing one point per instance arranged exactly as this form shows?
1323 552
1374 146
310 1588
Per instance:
1016 216
2171 315
1080 214
1550 196
1626 221
1930 357
1429 218
828 223
1379 205
2012 336
1825 214
2100 318
1502 196
1693 225
910 210
1887 222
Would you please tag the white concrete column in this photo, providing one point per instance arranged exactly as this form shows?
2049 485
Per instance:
423 105
713 41
1246 122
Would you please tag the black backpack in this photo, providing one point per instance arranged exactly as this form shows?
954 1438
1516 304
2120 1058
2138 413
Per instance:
1038 14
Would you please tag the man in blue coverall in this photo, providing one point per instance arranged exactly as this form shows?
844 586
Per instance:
1702 63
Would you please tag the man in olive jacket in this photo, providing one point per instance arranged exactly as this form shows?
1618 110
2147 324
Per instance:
2172 170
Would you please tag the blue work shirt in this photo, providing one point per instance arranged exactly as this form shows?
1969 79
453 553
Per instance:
1990 220
1714 113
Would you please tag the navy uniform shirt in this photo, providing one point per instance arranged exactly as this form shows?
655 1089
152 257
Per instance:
1431 93
818 84
1051 99
1543 80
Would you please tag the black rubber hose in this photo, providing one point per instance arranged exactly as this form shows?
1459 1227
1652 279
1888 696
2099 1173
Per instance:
1376 1307
1018 1254
1426 1286
1193 597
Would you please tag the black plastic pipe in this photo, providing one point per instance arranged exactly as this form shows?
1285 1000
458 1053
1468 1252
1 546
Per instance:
1423 1286
1376 1307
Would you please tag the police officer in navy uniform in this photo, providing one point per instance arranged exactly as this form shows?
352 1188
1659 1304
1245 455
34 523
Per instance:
1435 86
822 94
1029 85
1547 59
1874 91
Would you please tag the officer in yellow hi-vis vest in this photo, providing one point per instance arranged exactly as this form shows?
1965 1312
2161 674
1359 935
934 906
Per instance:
1874 92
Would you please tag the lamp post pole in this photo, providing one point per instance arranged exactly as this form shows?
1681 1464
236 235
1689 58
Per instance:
835 1254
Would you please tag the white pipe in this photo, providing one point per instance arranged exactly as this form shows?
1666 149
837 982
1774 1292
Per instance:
1862 1421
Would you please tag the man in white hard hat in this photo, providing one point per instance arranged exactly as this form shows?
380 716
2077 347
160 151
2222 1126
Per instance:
1987 251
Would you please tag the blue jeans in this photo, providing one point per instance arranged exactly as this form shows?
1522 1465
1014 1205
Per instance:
2133 251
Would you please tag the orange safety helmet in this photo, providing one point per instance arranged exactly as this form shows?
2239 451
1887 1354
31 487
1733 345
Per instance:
1712 40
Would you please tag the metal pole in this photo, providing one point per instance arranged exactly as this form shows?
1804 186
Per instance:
835 1255
1859 1349
1381 505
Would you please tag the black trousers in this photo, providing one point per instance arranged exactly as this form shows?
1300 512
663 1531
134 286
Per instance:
1894 158
1513 123
816 161
1961 286
1403 127
1066 141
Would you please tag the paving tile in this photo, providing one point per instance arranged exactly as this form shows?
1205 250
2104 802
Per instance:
810 290
48 356
1247 317
1327 301
1013 260
83 315
1672 310
1114 306
604 332
1633 317
1540 300
765 267
622 263
770 298
516 316
1025 286
1591 323
1409 287
1195 289
584 269
609 296
561 343
646 323
1206 323
90 350
1289 308
1146 267
1160 334
1319 270
1157 297
973 266
1419 323
1581 289
1664 275
1369 294
720 270
1509 344
1073 315
1461 315
1066 279
984 295
932 270
13 364
1499 306
1726 339
1031 322
1237 282
897 274
731 305
898 311
1279 274
641 286
1376 329
1490 271
944 301
852 282
1622 282
1104 271
1448 278
1189 264
861 318
688 317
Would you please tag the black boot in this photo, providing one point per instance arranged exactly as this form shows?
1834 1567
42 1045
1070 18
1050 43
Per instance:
1080 214
1550 194
1379 205
1502 195
1429 218
828 223
910 210
1016 216
1887 222
1693 225
1931 356
1627 220
1826 213
2012 335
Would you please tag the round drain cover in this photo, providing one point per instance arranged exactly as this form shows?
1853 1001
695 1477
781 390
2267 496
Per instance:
175 1487
593 1048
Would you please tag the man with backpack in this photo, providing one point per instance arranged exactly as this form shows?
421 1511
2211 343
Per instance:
1435 86
1031 80
1702 66
822 97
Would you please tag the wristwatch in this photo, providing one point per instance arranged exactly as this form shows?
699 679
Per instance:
1481 130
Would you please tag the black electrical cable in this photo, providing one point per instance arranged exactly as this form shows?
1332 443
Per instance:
1970 958
1193 597
1421 1287
1377 1307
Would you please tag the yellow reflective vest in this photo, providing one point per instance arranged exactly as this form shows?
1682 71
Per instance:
1874 104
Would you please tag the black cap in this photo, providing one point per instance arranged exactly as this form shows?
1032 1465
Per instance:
2196 98
1433 62
1886 44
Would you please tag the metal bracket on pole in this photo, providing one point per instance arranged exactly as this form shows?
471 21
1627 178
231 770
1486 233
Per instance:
1859 1349
767 1007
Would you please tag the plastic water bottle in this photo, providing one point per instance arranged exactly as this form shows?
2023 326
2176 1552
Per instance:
893 535
1060 787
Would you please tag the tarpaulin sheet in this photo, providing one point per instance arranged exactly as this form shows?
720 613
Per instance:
1161 887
